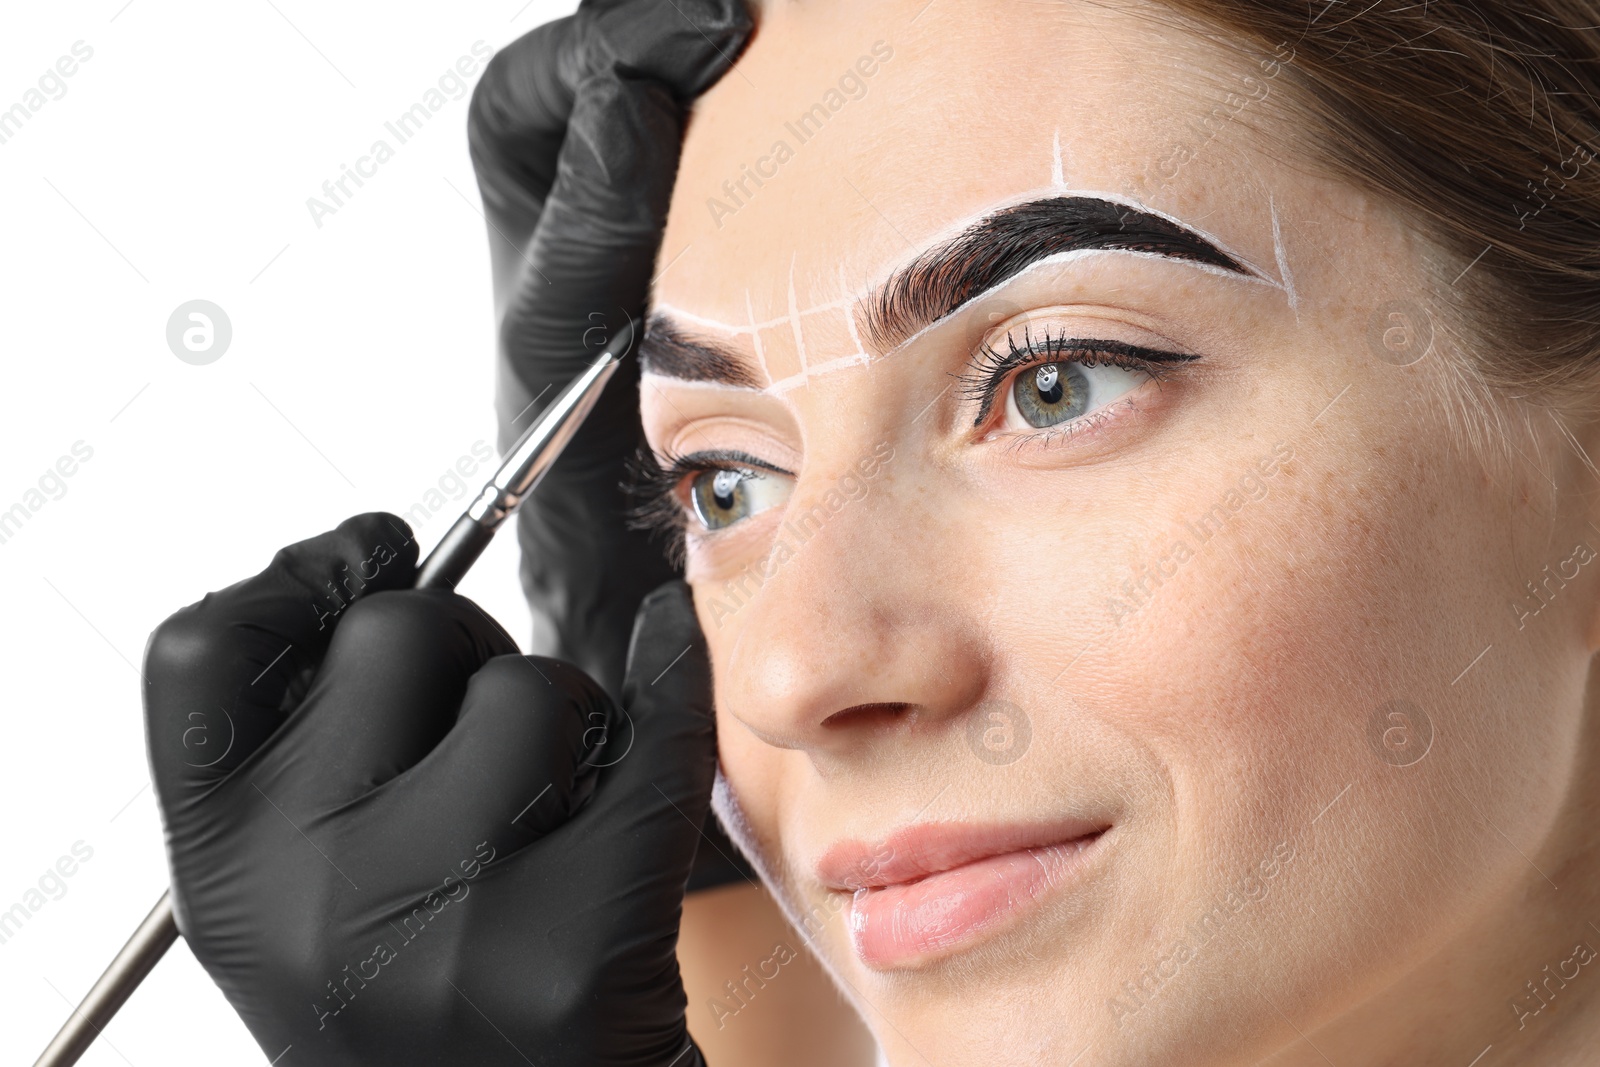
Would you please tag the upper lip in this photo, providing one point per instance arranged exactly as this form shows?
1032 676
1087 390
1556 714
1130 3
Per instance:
917 851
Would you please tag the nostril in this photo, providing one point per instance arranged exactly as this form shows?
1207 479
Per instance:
869 715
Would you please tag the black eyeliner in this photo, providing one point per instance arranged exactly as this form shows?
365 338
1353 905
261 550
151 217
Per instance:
989 367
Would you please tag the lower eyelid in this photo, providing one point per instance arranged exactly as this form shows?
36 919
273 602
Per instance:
729 547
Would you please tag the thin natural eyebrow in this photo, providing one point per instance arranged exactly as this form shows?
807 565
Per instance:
667 349
1003 244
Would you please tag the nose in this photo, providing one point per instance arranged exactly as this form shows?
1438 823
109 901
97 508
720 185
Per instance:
863 630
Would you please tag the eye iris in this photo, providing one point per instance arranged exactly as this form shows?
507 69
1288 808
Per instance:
1052 394
720 498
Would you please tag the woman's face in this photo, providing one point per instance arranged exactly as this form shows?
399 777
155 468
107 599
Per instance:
1113 647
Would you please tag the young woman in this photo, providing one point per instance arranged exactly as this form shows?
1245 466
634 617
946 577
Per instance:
1132 466
1135 462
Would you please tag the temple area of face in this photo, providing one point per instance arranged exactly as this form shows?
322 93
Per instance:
952 273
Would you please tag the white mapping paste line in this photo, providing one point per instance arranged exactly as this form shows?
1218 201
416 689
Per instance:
1287 279
755 332
1257 276
1058 178
859 358
655 379
794 317
844 303
956 228
1076 254
849 303
780 387
753 329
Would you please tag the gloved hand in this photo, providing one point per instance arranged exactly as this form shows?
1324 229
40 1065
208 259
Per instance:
395 841
575 131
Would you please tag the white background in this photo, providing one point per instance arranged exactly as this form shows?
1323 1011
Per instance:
177 167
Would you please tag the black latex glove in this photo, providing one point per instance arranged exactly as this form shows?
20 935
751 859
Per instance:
369 803
575 131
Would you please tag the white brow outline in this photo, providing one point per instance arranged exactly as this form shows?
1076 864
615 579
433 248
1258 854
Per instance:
1257 276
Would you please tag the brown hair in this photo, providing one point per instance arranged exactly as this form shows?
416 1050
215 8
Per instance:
1479 121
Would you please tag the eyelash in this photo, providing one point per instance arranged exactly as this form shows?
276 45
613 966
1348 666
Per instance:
654 488
658 510
989 368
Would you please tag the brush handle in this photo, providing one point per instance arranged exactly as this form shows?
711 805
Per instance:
138 957
445 566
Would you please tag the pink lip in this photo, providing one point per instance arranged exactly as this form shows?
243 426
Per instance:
928 890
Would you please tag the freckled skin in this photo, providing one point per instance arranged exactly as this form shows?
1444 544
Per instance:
1220 714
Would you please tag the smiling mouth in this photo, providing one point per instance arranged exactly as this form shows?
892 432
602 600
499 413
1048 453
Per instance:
932 890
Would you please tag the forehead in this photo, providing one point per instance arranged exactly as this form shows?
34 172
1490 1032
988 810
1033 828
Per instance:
850 137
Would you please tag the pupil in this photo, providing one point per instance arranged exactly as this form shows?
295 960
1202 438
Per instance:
723 483
1048 381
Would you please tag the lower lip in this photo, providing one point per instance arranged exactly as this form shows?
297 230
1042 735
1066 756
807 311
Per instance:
903 925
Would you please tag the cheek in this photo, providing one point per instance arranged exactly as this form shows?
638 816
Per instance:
1304 678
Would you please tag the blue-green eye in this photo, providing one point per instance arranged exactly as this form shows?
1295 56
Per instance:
1050 394
1055 393
722 497
1082 376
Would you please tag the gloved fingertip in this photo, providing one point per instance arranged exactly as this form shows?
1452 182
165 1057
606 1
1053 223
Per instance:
687 45
669 608
377 547
373 530
667 658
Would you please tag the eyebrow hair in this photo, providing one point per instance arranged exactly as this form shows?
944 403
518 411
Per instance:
940 279
1004 244
666 349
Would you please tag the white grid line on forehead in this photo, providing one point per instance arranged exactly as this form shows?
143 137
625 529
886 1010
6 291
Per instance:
862 357
794 317
755 334
1286 278
1238 268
